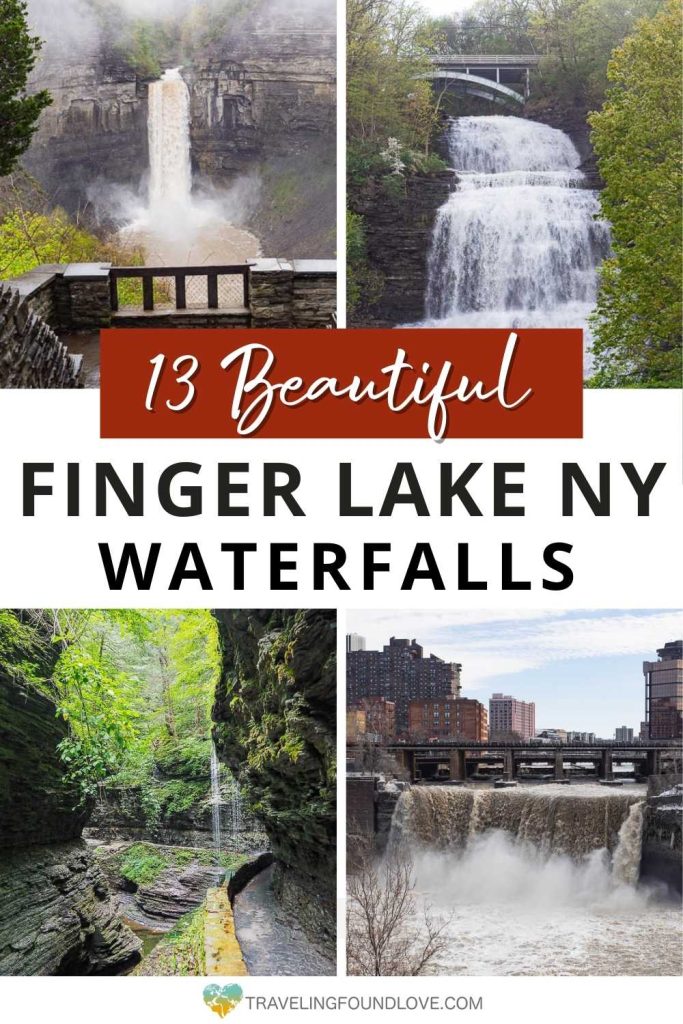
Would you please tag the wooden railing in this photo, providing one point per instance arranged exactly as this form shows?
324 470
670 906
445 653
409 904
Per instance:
179 274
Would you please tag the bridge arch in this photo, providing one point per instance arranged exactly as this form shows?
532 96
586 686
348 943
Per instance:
473 85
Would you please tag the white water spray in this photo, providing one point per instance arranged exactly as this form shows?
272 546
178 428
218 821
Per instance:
519 242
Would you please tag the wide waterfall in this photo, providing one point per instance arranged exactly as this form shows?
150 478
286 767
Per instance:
519 242
168 124
536 880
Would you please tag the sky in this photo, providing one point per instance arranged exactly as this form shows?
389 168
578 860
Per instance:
582 668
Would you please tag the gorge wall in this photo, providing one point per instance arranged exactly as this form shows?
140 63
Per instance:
56 913
262 106
275 711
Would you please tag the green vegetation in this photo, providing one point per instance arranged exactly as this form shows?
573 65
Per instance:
181 952
576 38
135 688
392 115
19 113
637 139
142 863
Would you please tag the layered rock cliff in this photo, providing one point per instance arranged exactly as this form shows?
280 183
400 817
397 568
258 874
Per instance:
56 913
275 713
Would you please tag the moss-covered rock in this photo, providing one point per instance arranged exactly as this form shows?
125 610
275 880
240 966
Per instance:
275 714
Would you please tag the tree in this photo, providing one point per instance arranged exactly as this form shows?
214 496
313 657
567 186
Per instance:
636 138
384 937
19 113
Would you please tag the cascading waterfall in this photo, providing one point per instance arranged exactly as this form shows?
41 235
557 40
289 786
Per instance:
170 182
216 800
519 242
554 823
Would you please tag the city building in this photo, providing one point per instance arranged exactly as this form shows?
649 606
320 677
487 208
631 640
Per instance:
355 724
580 737
664 693
623 734
400 673
510 718
450 718
354 642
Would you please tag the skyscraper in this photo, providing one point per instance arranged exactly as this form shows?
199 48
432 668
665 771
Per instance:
354 642
664 692
623 734
400 673
509 716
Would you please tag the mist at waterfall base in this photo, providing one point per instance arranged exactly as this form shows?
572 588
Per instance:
520 240
521 902
177 223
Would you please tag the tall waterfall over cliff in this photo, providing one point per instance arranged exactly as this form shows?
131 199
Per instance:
170 181
518 243
216 799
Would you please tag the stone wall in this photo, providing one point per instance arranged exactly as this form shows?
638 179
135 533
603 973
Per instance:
31 354
300 293
398 231
56 914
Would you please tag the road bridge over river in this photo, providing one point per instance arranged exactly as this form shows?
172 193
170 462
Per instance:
458 760
502 78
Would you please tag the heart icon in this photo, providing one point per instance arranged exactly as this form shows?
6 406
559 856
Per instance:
222 1000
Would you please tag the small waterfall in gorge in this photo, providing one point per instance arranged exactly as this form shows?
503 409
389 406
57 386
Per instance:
216 800
553 823
170 182
519 242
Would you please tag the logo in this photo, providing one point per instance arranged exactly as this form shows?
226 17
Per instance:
222 999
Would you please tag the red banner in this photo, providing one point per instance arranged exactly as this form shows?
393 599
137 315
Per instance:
341 383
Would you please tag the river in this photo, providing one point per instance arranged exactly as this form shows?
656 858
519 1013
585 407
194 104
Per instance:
538 881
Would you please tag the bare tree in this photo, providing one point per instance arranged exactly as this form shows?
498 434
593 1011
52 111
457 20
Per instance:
384 935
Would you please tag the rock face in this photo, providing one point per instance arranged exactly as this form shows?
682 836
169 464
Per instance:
662 859
275 728
56 914
398 232
262 105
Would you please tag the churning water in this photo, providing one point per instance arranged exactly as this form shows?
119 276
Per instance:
518 244
539 880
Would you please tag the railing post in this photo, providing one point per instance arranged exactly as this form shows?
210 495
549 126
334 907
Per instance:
113 291
212 290
180 298
147 292
245 281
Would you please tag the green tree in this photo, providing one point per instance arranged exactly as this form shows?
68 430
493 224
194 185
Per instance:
19 113
637 139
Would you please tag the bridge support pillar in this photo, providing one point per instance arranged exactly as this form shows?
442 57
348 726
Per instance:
559 765
509 769
653 762
458 766
606 773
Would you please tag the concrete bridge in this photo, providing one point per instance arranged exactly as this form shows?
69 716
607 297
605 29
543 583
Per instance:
502 78
458 760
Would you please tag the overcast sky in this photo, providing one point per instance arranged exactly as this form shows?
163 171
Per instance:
582 668
439 7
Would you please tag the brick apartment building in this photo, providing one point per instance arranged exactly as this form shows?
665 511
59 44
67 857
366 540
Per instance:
508 716
400 673
451 718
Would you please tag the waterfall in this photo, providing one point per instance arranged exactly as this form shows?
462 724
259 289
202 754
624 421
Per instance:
519 242
626 860
577 825
216 800
170 182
